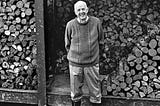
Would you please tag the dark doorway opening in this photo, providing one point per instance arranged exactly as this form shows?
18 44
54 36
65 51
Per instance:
56 15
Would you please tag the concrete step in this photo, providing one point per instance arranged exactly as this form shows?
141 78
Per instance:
64 100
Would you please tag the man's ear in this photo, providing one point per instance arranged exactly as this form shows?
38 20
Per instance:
75 12
87 9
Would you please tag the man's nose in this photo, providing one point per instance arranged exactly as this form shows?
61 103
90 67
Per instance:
81 11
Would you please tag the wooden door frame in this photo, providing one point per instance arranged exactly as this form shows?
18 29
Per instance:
39 14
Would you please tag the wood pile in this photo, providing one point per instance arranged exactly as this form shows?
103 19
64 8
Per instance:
18 44
131 54
139 74
132 30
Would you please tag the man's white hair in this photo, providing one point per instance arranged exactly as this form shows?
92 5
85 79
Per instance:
80 2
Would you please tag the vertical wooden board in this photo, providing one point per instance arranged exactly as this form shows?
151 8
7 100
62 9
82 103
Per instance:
39 13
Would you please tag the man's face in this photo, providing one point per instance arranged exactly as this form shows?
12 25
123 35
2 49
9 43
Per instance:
81 10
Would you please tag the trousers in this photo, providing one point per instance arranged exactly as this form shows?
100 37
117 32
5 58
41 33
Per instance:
92 77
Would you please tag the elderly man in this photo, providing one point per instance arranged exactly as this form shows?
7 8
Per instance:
83 36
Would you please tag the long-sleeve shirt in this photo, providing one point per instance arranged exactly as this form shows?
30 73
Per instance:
82 41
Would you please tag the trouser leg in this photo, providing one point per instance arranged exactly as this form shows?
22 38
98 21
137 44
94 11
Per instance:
93 82
76 82
76 103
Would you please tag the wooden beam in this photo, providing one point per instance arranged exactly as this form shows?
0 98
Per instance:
18 96
39 12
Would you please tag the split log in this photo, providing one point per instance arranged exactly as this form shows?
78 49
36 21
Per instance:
131 64
138 52
152 52
153 43
138 67
137 84
145 78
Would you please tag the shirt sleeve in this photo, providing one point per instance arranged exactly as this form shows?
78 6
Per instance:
67 37
101 33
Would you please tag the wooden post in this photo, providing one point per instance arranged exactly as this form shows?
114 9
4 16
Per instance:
39 12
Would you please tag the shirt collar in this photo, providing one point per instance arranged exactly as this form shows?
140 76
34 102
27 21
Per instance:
82 21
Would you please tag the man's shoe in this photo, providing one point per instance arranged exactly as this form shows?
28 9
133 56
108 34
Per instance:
76 103
96 104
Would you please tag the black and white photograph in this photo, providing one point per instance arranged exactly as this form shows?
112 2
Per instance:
79 52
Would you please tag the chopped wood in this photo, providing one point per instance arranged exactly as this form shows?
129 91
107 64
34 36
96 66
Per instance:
144 49
150 89
118 88
156 58
156 71
137 77
23 14
138 60
121 78
19 4
132 72
123 85
152 95
23 21
127 89
115 93
158 50
126 67
17 12
115 81
145 78
132 63
144 83
150 17
135 88
145 64
149 61
154 63
128 74
129 95
109 88
144 89
152 75
152 52
156 80
122 72
138 52
157 85
157 96
153 43
141 94
121 94
150 68
137 84
145 57
138 66
28 12
113 86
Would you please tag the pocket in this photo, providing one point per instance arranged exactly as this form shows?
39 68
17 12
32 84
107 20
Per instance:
76 70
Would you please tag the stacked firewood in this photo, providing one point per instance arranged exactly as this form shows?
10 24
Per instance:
132 29
139 74
62 66
17 44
